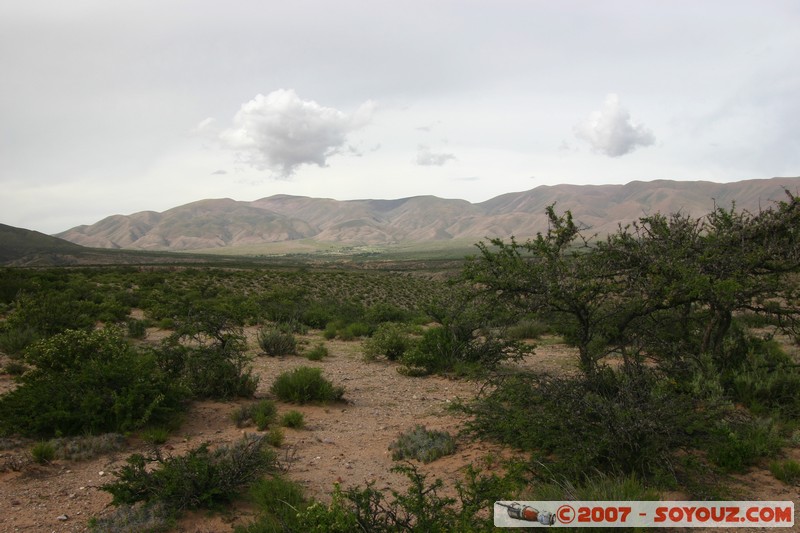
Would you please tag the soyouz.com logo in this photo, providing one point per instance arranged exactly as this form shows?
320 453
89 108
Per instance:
644 514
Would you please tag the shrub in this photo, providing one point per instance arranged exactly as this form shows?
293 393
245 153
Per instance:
597 487
330 331
85 447
317 353
88 382
199 479
621 421
423 445
304 385
207 353
279 503
14 340
275 437
357 329
419 508
390 340
455 348
133 519
786 471
262 414
156 436
15 368
528 329
137 329
739 445
43 452
274 342
293 419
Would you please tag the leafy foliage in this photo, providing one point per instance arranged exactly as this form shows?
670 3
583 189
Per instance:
419 508
625 421
207 353
665 286
274 342
88 382
304 385
391 340
293 419
262 413
201 478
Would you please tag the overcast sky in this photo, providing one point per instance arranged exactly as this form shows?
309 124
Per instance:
113 107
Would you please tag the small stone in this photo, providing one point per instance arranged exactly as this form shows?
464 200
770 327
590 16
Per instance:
101 473
63 518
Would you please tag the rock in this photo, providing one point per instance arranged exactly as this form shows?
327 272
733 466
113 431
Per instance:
63 518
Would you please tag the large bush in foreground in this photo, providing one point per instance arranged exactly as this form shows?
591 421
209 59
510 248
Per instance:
202 478
87 382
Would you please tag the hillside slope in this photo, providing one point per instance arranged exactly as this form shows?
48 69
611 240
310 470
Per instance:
223 223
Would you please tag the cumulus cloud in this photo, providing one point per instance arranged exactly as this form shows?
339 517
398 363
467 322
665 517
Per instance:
281 132
427 158
611 131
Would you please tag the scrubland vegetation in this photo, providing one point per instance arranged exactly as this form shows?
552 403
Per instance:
686 331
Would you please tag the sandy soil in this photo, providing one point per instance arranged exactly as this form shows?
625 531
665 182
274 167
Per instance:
343 443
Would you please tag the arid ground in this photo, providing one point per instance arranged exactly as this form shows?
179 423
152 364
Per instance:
344 443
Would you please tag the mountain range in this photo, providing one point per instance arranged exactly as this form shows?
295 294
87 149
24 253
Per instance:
318 222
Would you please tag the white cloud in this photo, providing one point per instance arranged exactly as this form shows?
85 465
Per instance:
280 131
611 131
432 159
204 126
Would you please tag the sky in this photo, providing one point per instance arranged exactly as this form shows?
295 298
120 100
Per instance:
125 106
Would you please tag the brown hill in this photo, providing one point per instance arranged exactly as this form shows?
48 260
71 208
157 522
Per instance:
220 223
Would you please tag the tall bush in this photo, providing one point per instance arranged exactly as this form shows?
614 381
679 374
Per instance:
88 382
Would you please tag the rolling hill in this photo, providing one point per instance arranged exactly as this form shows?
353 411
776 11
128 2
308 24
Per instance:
229 224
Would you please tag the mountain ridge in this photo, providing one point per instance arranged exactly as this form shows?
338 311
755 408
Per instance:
227 223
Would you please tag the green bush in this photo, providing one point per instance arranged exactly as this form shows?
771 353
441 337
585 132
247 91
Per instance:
787 471
207 353
274 342
390 340
155 436
455 348
293 419
15 368
275 437
625 421
43 452
137 329
423 445
14 340
419 508
88 382
319 352
304 385
354 330
279 503
262 414
767 381
528 328
201 478
596 487
740 445
330 331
